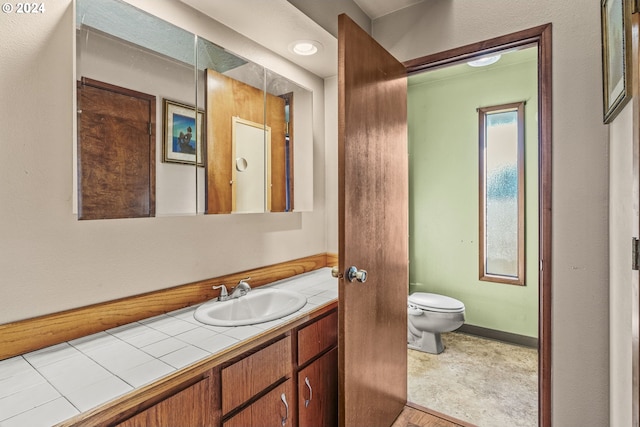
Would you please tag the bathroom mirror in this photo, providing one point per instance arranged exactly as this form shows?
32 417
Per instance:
176 168
129 50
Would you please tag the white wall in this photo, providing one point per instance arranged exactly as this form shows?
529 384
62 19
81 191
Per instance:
580 310
50 261
331 150
621 218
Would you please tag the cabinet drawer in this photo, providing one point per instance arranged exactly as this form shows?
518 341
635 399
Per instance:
317 337
190 406
251 375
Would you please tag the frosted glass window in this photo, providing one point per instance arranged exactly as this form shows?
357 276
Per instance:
502 193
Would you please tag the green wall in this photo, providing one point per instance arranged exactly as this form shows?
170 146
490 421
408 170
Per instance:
443 180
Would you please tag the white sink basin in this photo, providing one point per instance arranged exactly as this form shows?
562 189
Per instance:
259 305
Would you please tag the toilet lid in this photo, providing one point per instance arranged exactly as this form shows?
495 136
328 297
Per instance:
435 302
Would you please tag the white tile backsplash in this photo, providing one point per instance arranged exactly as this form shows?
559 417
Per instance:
268 325
169 325
44 415
319 300
74 373
97 393
207 340
149 336
185 356
51 354
145 373
26 399
120 358
161 348
197 335
185 314
243 332
93 342
16 383
14 366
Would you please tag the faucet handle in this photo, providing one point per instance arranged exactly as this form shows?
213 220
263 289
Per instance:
223 291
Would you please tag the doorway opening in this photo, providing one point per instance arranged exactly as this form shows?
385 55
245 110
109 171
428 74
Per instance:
537 40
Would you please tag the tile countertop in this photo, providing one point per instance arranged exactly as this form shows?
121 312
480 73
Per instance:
55 383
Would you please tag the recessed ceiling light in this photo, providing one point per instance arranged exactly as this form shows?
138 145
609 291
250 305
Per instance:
483 62
305 47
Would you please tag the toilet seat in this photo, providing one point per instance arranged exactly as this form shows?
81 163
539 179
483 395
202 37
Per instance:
435 302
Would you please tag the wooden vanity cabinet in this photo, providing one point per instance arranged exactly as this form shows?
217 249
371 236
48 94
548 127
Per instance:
318 373
192 406
291 380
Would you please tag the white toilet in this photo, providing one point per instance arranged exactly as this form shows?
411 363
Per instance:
429 316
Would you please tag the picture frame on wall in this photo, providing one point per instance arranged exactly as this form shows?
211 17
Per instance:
182 133
616 55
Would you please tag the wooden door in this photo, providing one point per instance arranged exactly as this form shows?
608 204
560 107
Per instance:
373 229
116 152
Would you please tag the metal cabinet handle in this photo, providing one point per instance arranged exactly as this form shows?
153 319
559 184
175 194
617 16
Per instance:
307 401
286 405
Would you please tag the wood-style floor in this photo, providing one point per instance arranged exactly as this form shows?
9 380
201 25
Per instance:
416 416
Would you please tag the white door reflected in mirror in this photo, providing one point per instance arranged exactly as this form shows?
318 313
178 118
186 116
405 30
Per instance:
251 187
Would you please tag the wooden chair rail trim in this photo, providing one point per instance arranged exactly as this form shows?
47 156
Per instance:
32 334
332 260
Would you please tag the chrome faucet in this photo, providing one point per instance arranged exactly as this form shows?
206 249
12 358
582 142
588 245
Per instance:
241 289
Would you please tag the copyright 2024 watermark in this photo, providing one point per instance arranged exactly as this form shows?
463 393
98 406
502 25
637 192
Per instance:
24 8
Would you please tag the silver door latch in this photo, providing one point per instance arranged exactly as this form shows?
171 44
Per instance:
354 274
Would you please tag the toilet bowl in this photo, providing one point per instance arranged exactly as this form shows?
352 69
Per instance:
428 316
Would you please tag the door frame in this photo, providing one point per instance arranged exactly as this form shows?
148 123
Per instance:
540 36
635 301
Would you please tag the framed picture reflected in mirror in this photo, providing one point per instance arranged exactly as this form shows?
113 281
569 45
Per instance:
182 133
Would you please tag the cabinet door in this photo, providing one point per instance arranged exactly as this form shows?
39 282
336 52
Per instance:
318 392
273 409
187 408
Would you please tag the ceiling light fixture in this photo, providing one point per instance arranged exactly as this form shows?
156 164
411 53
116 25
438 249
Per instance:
305 47
483 62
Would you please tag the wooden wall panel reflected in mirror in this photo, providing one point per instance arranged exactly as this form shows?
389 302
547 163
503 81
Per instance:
116 152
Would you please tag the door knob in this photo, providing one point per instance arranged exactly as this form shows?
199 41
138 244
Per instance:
354 274
335 272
